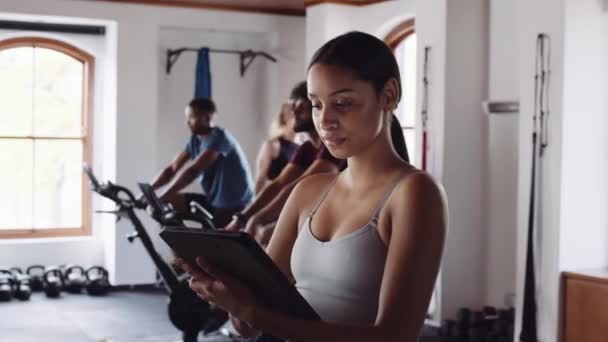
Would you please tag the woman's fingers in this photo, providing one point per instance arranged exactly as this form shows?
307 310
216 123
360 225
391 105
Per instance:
220 276
203 264
201 281
182 264
204 288
194 270
213 285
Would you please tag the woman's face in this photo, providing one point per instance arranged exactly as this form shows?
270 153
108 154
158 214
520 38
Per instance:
347 112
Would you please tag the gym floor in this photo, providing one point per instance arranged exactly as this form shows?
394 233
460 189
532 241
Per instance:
121 316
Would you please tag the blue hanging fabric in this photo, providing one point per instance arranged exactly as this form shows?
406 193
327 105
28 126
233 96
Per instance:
202 87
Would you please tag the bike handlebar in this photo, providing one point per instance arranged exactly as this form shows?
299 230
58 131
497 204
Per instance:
124 197
112 191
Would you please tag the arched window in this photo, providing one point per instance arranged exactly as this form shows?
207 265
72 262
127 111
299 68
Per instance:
45 101
402 39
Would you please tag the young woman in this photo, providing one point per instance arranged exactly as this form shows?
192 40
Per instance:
363 247
276 152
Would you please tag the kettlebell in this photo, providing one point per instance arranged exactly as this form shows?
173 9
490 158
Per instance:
36 272
16 270
22 289
74 279
6 285
98 283
53 282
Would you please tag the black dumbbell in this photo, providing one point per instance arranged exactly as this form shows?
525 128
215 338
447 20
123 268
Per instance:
511 315
492 337
461 333
448 328
510 331
477 318
478 333
500 327
490 312
464 317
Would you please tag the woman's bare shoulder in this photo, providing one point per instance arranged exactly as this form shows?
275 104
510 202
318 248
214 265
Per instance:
418 190
273 147
312 187
416 185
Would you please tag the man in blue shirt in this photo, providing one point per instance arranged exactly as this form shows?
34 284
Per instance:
217 160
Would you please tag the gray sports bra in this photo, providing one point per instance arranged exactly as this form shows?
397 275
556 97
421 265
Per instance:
341 278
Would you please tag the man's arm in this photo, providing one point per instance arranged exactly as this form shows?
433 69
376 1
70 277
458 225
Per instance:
170 170
200 164
263 162
271 212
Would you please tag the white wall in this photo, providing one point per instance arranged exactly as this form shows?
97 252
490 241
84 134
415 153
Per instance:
583 239
503 140
139 64
463 282
584 214
431 31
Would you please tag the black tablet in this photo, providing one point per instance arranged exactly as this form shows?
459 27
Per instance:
238 255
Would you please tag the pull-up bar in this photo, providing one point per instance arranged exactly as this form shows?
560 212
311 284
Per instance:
247 56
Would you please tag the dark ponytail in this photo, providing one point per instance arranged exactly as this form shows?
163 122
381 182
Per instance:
371 60
398 139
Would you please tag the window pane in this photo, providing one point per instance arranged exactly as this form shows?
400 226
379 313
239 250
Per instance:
406 57
57 183
57 94
412 149
16 91
16 183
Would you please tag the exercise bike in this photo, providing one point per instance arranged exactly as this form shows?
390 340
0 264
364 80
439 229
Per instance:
187 312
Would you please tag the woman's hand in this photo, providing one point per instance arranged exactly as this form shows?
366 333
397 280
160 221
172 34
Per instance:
244 329
220 289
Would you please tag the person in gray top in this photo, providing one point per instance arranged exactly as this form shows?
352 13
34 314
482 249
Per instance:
364 246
